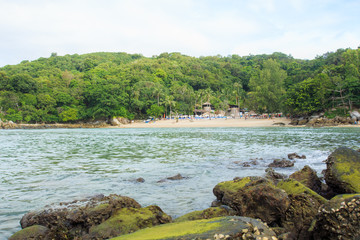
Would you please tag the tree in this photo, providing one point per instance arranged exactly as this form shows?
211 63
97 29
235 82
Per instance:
169 102
155 111
267 87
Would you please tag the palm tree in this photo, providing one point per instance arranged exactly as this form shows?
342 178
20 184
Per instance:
169 102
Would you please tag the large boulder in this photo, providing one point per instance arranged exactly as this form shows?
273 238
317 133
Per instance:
308 177
236 228
99 217
343 170
355 115
254 197
281 163
304 205
338 218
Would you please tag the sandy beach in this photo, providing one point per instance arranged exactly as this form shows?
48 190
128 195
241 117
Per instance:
186 123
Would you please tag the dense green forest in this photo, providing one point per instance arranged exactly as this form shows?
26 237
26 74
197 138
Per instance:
101 85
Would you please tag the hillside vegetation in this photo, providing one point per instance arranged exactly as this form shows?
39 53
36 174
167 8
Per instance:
101 85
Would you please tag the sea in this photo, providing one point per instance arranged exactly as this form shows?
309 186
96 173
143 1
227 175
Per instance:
49 166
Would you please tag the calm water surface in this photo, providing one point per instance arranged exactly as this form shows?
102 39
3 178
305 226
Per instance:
40 167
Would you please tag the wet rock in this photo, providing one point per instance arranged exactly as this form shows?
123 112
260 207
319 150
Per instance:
295 155
208 213
274 176
176 177
308 177
128 220
33 232
246 164
253 197
95 215
216 228
281 163
338 218
343 170
140 180
304 205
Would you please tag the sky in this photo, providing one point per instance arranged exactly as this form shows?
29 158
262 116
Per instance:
301 28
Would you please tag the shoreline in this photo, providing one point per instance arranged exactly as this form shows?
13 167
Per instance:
165 123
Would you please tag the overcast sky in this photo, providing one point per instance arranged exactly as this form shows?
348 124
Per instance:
31 29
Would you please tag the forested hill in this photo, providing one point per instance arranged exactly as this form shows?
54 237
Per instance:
101 85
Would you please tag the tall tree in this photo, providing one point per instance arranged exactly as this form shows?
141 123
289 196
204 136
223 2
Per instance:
267 87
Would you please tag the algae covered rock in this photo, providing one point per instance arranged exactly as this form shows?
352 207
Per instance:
304 205
339 218
128 220
208 213
254 197
33 232
99 217
343 170
216 228
308 177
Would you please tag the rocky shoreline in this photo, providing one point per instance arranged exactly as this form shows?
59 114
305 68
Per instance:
319 120
299 206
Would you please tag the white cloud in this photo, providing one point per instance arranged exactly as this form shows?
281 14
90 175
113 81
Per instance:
302 28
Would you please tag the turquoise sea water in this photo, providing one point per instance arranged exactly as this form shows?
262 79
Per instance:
40 167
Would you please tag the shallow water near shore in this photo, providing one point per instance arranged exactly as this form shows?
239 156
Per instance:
40 167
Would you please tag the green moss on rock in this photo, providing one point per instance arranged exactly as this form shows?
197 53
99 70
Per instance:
235 185
291 186
233 227
129 220
208 213
33 232
254 197
343 170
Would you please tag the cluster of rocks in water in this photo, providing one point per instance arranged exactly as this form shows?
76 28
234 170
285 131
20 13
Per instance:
299 206
319 120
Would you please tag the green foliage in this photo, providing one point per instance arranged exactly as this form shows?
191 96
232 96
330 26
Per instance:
267 87
155 111
70 114
341 112
13 115
104 85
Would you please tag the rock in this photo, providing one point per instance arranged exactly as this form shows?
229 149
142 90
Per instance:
246 164
77 218
338 218
279 124
215 228
208 213
176 177
253 197
114 122
128 220
355 114
295 155
274 176
302 121
281 163
33 232
304 205
308 177
140 180
343 170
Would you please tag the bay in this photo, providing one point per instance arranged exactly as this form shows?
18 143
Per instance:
41 167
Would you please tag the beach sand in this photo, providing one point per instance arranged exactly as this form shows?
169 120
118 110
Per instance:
186 123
